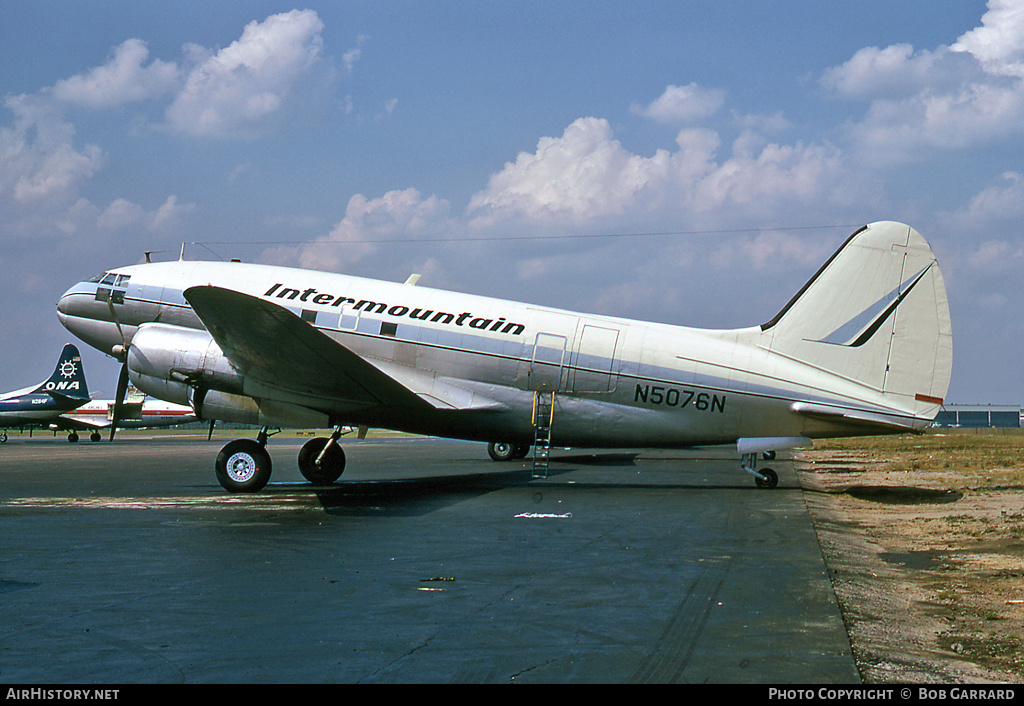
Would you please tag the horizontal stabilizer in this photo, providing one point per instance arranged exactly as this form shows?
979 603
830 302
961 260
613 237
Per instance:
67 400
881 423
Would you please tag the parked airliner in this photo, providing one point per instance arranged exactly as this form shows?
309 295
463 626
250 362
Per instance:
135 411
42 404
865 347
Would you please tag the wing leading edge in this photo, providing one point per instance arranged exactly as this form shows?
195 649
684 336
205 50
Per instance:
273 346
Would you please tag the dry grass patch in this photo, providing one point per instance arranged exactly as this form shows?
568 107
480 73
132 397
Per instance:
924 539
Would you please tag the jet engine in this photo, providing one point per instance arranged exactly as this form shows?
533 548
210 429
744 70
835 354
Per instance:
186 366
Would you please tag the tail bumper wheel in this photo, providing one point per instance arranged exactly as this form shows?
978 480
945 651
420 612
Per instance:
770 480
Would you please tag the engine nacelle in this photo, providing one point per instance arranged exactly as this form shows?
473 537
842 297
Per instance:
169 362
240 409
186 366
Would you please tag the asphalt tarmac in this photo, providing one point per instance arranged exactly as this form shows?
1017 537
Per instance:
126 563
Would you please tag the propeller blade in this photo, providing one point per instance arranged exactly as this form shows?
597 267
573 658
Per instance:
122 388
210 434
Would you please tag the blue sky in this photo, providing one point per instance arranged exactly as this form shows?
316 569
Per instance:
760 134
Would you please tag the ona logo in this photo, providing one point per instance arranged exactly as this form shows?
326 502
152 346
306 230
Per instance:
73 385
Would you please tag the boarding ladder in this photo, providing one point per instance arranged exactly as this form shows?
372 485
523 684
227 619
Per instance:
543 414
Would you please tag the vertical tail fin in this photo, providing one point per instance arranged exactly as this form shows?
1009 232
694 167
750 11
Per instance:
68 377
875 313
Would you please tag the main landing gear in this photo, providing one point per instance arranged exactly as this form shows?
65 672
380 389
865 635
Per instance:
506 451
244 465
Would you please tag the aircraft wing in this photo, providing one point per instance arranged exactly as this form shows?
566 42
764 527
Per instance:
280 350
66 422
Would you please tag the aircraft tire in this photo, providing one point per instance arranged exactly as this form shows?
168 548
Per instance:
772 478
505 451
243 466
329 470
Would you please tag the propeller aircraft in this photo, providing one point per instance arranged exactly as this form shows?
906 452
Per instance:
865 347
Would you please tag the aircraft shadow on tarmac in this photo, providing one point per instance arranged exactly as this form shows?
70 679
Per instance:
409 497
425 494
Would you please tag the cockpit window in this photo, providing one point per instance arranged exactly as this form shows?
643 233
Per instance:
111 287
111 279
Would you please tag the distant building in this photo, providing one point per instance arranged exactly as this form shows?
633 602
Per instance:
977 416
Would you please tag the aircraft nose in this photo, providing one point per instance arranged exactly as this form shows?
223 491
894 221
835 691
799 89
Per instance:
62 306
87 311
65 305
73 310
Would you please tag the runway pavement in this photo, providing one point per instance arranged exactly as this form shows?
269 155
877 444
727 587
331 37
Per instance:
126 562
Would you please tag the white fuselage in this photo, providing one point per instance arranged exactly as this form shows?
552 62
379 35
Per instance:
480 361
151 413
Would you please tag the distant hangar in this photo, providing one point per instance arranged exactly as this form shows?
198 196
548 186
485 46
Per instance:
979 416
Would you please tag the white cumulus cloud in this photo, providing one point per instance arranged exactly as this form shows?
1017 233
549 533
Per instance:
123 79
968 94
999 42
400 215
583 174
683 104
586 175
39 166
239 89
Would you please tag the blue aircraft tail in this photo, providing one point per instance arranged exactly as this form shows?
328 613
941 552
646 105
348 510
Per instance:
68 379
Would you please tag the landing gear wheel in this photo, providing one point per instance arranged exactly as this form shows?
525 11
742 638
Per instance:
331 466
501 451
243 466
772 478
95 436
